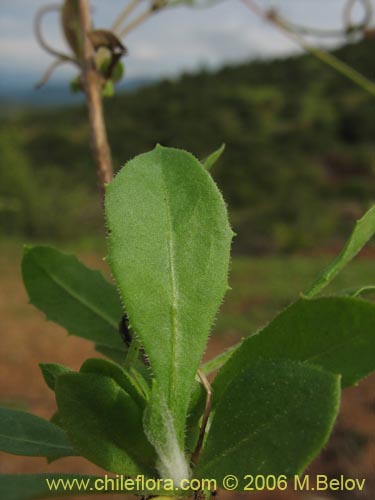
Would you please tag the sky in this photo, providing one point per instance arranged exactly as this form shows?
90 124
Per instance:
176 40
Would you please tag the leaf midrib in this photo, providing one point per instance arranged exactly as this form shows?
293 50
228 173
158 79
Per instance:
39 443
76 296
174 292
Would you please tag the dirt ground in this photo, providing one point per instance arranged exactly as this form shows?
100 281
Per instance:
26 339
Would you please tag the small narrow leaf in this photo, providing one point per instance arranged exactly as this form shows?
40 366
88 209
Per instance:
118 356
273 419
335 333
169 244
196 410
120 376
51 371
216 363
77 298
362 233
22 433
104 423
212 159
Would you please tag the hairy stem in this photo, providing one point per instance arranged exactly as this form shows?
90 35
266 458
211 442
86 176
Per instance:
91 81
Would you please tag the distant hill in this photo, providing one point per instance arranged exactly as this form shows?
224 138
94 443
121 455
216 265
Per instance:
18 91
297 171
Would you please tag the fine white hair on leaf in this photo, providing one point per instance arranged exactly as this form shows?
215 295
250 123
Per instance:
160 430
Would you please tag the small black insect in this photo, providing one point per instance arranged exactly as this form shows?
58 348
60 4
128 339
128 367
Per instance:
127 336
124 330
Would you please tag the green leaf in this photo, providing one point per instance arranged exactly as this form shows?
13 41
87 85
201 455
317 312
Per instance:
104 423
273 419
25 434
34 486
77 298
169 245
212 159
108 89
216 363
116 354
196 410
51 371
362 233
141 372
335 333
120 376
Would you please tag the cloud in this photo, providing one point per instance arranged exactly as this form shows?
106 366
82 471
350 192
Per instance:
179 39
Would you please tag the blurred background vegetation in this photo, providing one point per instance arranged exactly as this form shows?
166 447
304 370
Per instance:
296 173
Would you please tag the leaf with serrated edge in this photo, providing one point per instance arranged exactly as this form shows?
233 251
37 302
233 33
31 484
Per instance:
104 423
73 296
363 231
169 245
22 433
273 419
336 333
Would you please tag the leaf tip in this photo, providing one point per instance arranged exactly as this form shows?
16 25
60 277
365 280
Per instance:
27 248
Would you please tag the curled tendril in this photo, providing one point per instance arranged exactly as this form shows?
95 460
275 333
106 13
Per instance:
350 27
61 57
348 16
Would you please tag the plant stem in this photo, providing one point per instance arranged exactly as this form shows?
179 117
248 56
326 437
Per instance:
91 81
136 22
124 14
323 56
207 411
156 6
337 64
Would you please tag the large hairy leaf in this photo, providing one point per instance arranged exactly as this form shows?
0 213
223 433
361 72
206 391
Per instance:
77 298
169 245
104 423
22 433
336 333
363 231
273 419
